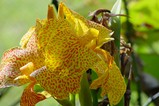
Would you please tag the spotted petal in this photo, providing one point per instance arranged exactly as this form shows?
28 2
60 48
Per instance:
80 24
26 37
58 86
10 65
111 82
15 58
30 97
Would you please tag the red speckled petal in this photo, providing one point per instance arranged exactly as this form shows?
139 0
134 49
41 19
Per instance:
58 86
26 37
12 60
111 82
115 86
29 97
74 18
63 75
15 58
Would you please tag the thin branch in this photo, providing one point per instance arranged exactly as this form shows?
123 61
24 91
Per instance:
85 94
129 34
151 99
128 91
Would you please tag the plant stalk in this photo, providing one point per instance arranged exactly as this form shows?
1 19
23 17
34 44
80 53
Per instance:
85 94
64 102
72 99
116 26
94 97
129 34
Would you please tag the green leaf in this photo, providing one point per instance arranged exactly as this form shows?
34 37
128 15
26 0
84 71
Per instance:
116 7
145 9
85 94
38 88
115 25
150 64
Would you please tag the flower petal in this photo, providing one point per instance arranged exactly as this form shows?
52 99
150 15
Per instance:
111 81
26 37
74 18
66 55
65 68
58 86
29 97
20 80
27 69
112 84
12 60
115 86
51 12
98 82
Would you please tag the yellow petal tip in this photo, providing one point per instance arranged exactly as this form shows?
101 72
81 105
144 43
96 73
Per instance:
51 12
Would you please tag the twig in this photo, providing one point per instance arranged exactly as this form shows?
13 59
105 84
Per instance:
129 33
128 91
151 99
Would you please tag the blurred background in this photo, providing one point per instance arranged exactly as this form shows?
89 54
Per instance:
17 16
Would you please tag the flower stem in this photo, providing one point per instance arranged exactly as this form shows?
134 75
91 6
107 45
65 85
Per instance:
64 102
130 32
72 99
85 94
116 26
94 97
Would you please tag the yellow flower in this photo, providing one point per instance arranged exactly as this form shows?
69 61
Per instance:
17 64
71 45
55 54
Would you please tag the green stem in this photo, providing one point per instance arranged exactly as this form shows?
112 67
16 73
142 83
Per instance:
116 26
72 99
137 77
85 94
95 97
64 102
130 32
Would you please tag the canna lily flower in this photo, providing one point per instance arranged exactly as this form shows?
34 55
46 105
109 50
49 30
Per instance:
17 64
56 53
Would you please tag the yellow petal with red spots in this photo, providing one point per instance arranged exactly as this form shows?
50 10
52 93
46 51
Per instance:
55 84
26 37
29 97
15 58
66 57
60 49
115 85
112 84
11 62
80 24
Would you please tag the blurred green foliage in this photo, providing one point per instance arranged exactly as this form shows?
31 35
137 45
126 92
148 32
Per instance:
17 16
145 17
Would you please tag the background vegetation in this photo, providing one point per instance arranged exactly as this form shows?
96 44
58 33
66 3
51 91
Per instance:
17 16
